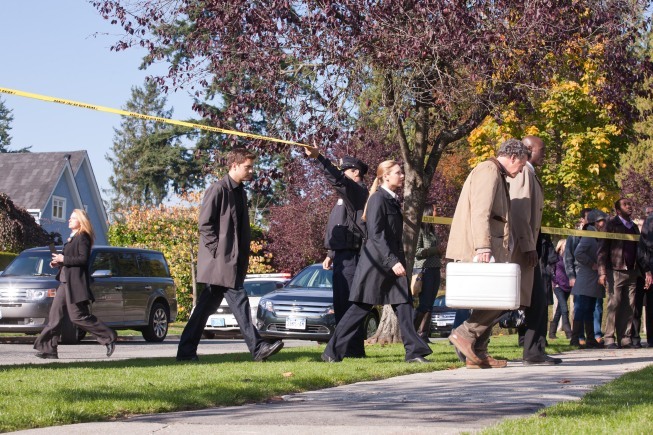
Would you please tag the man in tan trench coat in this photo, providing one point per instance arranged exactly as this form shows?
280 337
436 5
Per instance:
481 229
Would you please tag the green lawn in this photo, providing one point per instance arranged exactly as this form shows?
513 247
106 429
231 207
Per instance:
55 394
623 406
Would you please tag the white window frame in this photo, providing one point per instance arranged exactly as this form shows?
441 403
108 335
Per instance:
62 205
36 213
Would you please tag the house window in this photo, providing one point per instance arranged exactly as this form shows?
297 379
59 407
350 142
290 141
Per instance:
36 214
58 208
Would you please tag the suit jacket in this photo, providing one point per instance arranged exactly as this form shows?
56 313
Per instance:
481 219
374 281
222 251
526 203
611 251
76 254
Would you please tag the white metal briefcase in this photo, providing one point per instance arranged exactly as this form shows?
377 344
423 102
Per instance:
492 286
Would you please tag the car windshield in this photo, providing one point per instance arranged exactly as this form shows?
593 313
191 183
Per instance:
259 288
313 277
31 264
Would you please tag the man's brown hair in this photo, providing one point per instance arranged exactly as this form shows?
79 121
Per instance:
239 155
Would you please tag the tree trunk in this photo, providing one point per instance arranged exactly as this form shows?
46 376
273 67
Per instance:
388 331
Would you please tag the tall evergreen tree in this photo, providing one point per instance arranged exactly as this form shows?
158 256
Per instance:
5 125
148 157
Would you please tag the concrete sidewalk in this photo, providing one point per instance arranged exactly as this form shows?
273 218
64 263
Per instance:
443 402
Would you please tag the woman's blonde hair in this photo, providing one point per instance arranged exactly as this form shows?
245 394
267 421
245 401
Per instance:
383 168
84 223
561 245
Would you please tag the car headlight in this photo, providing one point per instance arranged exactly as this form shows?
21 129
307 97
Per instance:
36 294
266 305
329 310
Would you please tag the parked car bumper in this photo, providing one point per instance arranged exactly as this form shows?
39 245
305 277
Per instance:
317 328
24 316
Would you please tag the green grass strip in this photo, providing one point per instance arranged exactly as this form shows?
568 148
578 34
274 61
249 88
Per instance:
622 406
56 394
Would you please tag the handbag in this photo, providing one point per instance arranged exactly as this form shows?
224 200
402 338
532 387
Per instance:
416 283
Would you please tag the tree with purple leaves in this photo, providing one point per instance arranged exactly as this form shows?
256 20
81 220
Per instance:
439 66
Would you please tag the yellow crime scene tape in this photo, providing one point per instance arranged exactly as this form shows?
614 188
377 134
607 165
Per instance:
142 116
552 230
430 219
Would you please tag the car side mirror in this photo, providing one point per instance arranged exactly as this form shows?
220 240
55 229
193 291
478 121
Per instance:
279 285
102 274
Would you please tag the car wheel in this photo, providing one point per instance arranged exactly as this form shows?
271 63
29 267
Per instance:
209 335
371 325
157 327
70 334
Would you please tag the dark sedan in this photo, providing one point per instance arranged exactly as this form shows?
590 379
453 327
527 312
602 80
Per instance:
442 317
303 309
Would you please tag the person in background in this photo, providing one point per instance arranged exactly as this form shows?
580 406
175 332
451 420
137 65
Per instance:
620 263
380 277
641 292
74 292
427 260
645 245
562 290
344 234
587 288
571 266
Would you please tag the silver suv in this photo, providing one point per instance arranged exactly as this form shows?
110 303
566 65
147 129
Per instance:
132 288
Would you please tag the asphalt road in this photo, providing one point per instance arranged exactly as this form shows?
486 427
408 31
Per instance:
18 350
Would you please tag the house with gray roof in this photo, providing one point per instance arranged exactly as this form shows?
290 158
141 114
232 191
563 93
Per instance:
51 185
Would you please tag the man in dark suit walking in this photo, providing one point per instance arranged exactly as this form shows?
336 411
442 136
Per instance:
223 259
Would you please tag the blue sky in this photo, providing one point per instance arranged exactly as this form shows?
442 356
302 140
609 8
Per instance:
49 48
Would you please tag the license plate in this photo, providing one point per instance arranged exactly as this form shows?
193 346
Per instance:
217 322
296 323
440 323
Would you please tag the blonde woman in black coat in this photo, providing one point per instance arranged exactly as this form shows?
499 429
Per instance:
74 293
381 275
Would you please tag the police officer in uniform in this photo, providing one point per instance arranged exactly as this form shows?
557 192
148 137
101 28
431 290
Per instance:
345 233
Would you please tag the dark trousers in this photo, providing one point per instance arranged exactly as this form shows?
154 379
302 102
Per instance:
344 268
562 310
208 303
430 286
354 317
536 317
643 299
80 316
584 308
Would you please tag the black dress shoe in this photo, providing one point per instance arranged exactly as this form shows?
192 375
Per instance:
637 345
542 360
329 359
46 355
110 348
187 358
419 360
267 350
611 346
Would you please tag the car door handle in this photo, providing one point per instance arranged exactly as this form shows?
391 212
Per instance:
148 287
118 287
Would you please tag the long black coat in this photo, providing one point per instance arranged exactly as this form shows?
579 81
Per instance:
374 281
221 251
76 255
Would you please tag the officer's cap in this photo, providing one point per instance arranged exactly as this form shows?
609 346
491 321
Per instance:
349 162
595 216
